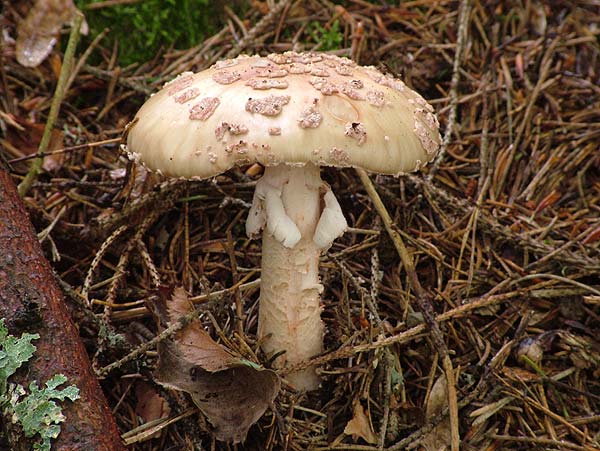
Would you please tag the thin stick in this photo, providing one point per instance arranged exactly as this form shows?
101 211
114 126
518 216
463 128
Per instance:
65 71
539 441
423 302
96 261
259 28
140 350
66 149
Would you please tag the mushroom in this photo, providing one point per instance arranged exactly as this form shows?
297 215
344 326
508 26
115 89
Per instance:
292 113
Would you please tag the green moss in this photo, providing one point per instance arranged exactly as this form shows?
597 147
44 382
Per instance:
327 37
142 28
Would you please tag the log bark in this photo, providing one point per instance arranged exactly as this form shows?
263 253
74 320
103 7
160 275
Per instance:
31 301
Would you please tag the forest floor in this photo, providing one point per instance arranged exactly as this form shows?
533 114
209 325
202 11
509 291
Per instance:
504 230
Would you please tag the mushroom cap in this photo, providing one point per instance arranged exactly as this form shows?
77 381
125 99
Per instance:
292 108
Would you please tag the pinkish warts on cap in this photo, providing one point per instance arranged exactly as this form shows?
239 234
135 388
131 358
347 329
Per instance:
299 68
262 63
343 70
339 156
352 92
425 137
182 81
310 118
266 83
357 131
267 106
240 147
225 77
274 131
187 95
427 117
376 98
420 102
393 83
204 109
232 129
271 72
225 63
279 58
306 58
374 74
322 85
318 72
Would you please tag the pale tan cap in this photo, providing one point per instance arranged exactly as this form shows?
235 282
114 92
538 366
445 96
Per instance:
289 108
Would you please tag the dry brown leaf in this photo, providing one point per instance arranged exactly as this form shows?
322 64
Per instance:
439 438
232 392
359 425
519 374
150 405
38 33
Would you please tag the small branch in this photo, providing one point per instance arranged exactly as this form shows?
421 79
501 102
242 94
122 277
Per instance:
66 149
65 71
30 300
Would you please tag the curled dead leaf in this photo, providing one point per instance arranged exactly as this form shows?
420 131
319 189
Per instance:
233 393
439 438
359 425
150 405
37 34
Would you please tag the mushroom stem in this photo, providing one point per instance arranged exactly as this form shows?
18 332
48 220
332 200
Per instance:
289 200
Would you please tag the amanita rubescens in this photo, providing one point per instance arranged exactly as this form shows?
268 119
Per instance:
292 113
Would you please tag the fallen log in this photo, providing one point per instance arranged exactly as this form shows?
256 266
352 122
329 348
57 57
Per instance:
31 301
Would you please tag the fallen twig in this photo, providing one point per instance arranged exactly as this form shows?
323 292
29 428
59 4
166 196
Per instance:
30 300
61 86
